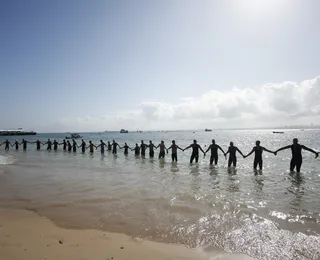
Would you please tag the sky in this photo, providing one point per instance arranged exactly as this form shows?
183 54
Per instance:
85 66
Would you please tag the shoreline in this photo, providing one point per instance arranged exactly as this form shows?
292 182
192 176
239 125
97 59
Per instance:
27 235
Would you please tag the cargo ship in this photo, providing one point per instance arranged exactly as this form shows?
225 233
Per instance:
18 131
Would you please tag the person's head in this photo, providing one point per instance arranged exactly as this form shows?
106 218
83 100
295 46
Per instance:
100 141
113 141
73 140
231 143
162 141
295 140
194 141
22 140
258 143
68 142
137 145
142 141
38 140
48 139
82 140
90 141
125 143
54 140
173 141
213 141
150 142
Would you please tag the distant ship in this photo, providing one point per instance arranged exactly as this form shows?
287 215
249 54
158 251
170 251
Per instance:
208 130
73 136
277 132
123 131
18 131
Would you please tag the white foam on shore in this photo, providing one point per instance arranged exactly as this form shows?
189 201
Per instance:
5 160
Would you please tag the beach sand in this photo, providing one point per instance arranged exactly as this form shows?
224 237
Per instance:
26 235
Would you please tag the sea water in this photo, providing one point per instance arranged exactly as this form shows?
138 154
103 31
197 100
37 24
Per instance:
268 214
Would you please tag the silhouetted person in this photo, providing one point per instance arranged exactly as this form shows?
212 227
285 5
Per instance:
102 145
258 155
83 146
163 148
195 151
7 143
64 145
74 146
143 148
296 148
126 148
137 150
55 145
49 145
151 147
24 144
174 147
109 146
232 150
91 145
114 146
16 144
38 144
214 152
69 146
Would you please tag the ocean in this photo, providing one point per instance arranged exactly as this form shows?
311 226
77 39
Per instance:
268 214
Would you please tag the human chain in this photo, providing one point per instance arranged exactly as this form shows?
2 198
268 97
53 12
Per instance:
295 147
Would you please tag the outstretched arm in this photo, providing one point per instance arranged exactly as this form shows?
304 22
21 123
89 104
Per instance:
221 149
265 149
209 148
187 147
310 150
250 153
283 148
240 151
201 149
179 148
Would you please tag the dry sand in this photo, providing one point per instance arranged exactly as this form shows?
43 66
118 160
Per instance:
25 235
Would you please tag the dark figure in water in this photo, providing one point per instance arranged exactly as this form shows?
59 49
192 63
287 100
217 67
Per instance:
258 155
163 149
55 145
296 148
214 152
109 146
102 145
74 146
49 143
91 145
137 150
114 146
64 145
195 151
174 148
232 157
38 144
24 144
7 144
126 148
143 148
83 146
151 149
16 144
69 146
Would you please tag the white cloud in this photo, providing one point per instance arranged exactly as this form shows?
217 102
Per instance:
267 105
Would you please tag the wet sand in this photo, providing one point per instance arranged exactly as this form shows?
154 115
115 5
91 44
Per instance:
26 235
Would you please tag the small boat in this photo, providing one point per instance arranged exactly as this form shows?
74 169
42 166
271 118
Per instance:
123 131
208 130
19 131
277 132
73 136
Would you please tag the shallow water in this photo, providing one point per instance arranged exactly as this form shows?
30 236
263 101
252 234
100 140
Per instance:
271 214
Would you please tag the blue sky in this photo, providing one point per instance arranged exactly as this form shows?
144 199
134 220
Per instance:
97 65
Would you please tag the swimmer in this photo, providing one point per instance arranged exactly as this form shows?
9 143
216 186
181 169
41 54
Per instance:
151 147
257 150
114 146
163 149
49 143
83 146
143 148
102 145
7 143
91 145
232 157
174 147
195 151
214 152
125 147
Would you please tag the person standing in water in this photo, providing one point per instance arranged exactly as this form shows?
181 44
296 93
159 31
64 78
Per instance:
38 144
74 146
7 143
174 147
91 145
49 143
69 146
64 145
55 145
83 146
163 149
232 157
143 148
195 151
137 150
296 148
24 144
16 144
109 146
151 147
214 152
257 150
114 147
125 147
102 145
